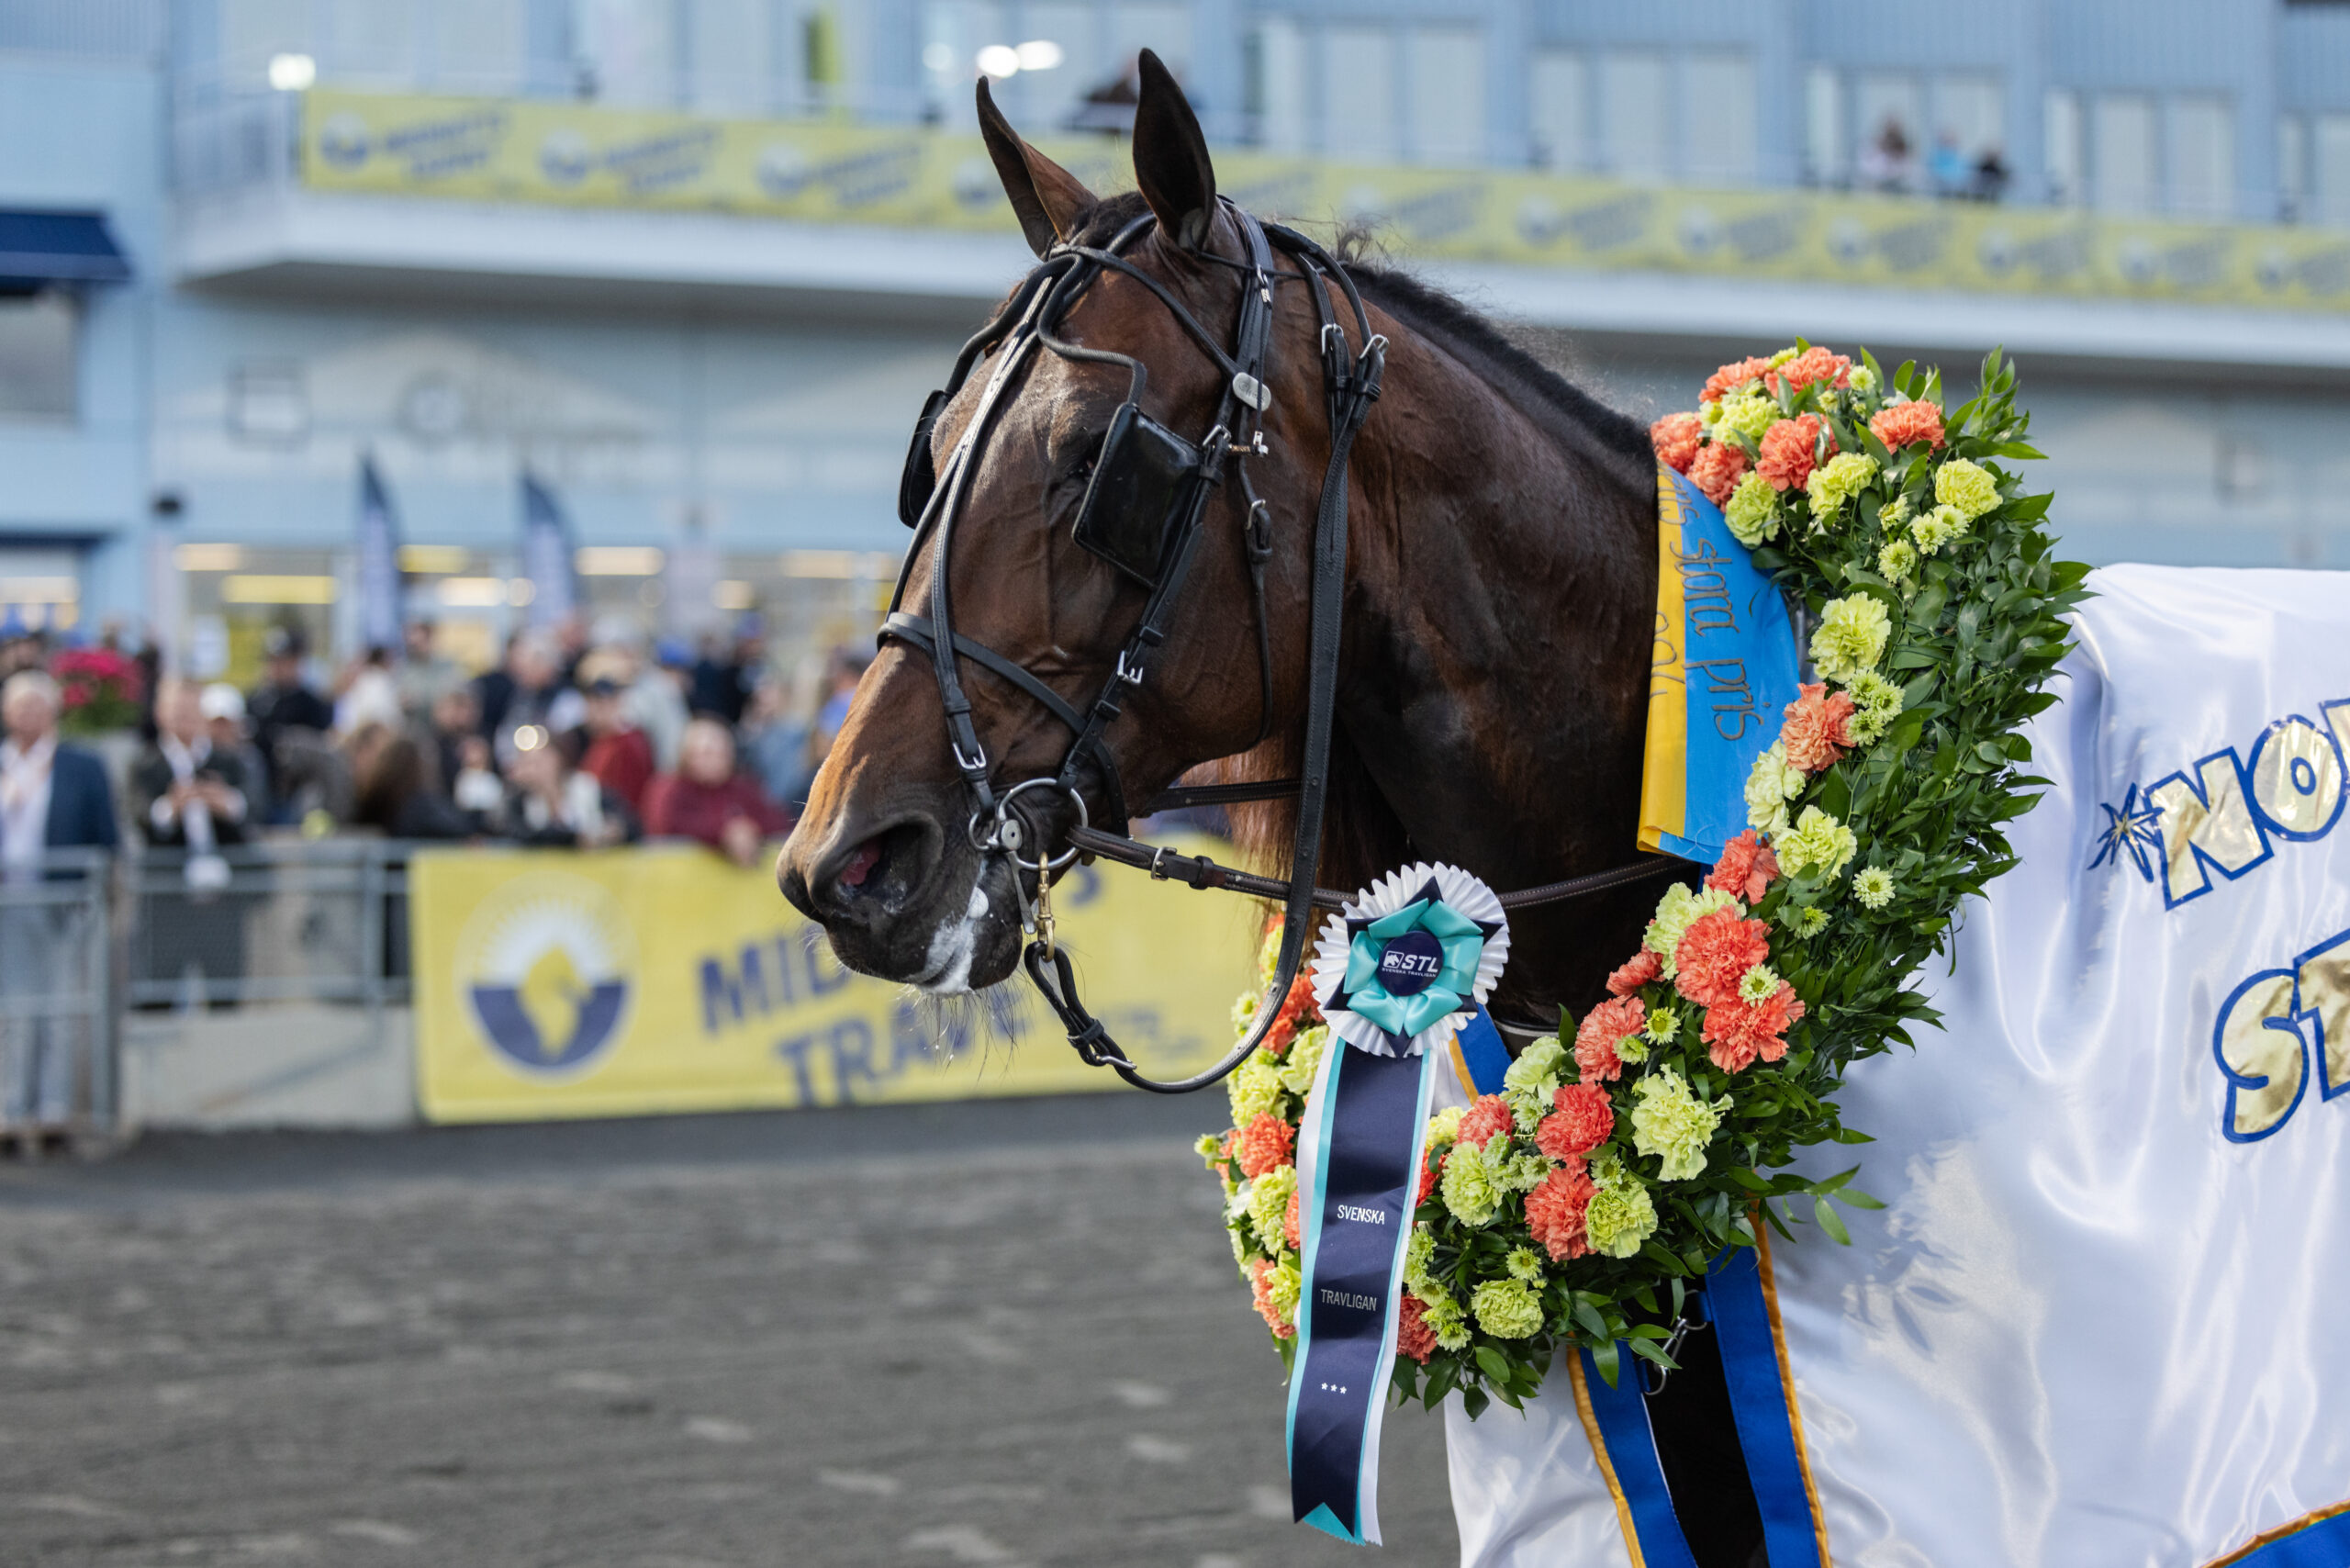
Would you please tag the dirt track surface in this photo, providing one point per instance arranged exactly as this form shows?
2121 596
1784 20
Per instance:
1000 1334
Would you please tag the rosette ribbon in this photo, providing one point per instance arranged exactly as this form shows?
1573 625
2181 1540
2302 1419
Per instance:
1411 958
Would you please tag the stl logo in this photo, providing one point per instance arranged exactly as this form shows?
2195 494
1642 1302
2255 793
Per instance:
545 964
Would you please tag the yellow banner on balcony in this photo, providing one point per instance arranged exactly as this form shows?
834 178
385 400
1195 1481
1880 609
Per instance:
644 982
824 172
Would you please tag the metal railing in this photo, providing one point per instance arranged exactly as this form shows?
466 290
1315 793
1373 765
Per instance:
57 995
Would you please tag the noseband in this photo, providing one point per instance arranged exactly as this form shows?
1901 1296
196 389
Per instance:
1144 511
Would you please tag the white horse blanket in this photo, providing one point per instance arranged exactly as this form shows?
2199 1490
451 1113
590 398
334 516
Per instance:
2105 1316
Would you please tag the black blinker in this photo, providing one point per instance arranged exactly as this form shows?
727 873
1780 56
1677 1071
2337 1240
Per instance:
921 476
1139 481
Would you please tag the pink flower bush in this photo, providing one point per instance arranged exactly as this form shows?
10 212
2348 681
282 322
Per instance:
1745 871
1490 1115
1717 469
1675 439
1737 1032
1266 1143
1554 1212
1818 728
1789 448
1715 950
1907 423
1602 1027
1585 1119
1645 967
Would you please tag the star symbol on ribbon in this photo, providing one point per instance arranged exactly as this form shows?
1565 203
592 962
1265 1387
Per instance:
2129 829
1459 942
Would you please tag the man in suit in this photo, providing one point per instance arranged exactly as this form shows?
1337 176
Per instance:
51 797
188 794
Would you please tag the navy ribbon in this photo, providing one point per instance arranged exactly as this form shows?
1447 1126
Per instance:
1361 1155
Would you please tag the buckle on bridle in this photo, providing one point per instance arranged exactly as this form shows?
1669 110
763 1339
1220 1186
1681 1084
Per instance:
1131 673
974 765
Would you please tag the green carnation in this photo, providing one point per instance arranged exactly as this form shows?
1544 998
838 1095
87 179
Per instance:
1862 379
1894 513
1211 1151
1876 702
1305 1060
1244 1013
1444 1319
1938 528
1445 1125
1525 1263
1283 1286
1771 783
1707 413
1506 1309
1472 1186
1817 844
1268 1198
1539 1068
1874 886
1747 414
1836 481
1753 512
1632 1049
1619 1217
1897 561
1961 484
1255 1089
1670 1122
1851 637
1673 913
1784 355
1419 1251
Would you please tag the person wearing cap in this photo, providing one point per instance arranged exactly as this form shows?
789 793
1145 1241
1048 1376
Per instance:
611 749
285 701
223 706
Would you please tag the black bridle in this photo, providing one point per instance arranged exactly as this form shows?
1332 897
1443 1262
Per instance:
1144 511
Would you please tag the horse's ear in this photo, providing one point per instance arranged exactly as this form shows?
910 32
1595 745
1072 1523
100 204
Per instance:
1048 198
1172 156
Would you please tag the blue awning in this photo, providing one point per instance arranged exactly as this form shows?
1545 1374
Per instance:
39 248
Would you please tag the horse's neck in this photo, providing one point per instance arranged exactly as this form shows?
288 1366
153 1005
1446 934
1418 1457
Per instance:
1500 635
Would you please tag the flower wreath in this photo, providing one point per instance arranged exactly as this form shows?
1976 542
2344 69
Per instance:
1575 1207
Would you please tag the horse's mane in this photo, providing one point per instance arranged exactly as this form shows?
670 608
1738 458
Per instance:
1362 836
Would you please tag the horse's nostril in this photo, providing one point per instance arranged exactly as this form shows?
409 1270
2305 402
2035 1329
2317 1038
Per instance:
860 863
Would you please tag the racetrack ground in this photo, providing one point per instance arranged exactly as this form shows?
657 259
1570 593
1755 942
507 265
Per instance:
993 1333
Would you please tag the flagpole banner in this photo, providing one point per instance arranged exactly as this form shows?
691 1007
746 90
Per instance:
2100 1320
378 555
639 981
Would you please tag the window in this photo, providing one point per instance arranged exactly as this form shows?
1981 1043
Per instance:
1720 123
2121 150
1823 127
2202 157
2329 187
38 357
1276 85
2063 163
1446 77
1559 110
1889 122
1358 94
730 54
1635 134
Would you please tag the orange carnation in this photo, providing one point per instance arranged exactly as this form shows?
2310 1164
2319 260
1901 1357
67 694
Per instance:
1745 871
1718 470
1265 1143
1585 1119
1906 422
1490 1115
1818 728
1737 1032
1812 365
1675 439
1715 952
1414 1337
1554 1211
1602 1027
1730 377
1260 1296
1789 449
1289 1218
1297 1012
1645 965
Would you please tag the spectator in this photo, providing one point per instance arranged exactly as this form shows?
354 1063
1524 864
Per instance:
1953 175
843 669
615 752
187 796
395 795
224 720
51 797
1885 161
1990 175
522 693
550 804
367 694
723 678
774 745
284 703
656 701
455 719
424 674
707 800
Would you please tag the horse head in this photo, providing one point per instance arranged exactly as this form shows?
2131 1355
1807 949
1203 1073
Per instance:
888 856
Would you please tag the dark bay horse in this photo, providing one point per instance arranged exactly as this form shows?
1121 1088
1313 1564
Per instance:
1493 685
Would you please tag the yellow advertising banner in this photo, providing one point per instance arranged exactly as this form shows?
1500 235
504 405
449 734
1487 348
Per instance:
835 171
551 984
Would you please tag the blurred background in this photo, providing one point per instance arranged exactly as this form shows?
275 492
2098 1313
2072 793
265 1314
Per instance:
478 422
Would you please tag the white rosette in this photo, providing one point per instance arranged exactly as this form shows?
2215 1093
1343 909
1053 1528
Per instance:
1467 901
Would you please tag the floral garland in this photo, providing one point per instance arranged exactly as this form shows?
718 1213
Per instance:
1621 1155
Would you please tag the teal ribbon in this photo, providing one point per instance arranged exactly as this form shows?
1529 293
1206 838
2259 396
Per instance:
1459 939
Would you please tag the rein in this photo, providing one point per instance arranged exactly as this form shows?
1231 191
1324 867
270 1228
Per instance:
1142 464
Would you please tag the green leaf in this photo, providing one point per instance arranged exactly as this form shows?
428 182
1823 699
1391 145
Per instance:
1830 1222
1473 1403
1606 1359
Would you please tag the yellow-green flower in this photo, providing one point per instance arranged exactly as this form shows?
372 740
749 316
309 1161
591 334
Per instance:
1753 512
1876 702
1269 1207
1539 1068
1445 1125
1663 1024
1851 637
1938 528
1872 885
1211 1151
1817 844
1244 1013
1670 1122
1620 1216
1445 1320
1895 513
1506 1309
1836 481
1255 1089
1472 1187
1419 1250
1673 913
1784 355
1525 1263
1771 783
1804 920
1708 412
1747 414
1961 484
1305 1060
1281 1289
1759 983
1862 379
1632 1050
1897 561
